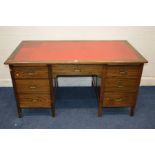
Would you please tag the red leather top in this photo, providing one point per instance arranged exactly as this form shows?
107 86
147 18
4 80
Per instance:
75 51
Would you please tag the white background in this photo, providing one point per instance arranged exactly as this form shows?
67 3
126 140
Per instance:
77 13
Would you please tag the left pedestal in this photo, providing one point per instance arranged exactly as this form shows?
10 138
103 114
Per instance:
33 87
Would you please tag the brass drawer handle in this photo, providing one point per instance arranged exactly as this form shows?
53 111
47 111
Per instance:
32 87
77 70
34 100
17 74
118 99
122 72
30 73
120 86
109 98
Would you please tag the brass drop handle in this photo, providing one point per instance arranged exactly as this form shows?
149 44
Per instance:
17 74
122 72
118 99
30 73
77 70
109 98
32 87
120 86
34 100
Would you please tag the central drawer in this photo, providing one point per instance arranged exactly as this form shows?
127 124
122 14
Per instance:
77 70
118 84
24 86
34 100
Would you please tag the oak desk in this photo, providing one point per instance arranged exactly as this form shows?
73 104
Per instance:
115 67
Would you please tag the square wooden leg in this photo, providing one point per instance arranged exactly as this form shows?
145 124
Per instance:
56 82
53 112
19 112
92 81
132 111
100 111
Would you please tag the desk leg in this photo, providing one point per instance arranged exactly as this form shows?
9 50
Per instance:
56 82
50 77
93 81
19 112
132 111
100 107
98 95
101 95
53 111
100 111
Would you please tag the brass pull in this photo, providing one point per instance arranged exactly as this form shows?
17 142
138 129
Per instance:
120 86
109 98
32 87
118 99
34 100
77 70
17 74
122 72
30 73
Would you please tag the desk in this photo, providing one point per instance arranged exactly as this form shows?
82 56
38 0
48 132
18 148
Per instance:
115 67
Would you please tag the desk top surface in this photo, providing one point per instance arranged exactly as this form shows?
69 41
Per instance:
52 52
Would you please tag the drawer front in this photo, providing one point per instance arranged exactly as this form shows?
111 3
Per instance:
34 100
113 99
32 86
123 71
77 70
117 84
30 72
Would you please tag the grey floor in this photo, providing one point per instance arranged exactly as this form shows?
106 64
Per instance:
76 108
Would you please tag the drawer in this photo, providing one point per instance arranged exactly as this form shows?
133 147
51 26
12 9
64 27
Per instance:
77 70
30 72
34 100
113 99
32 86
118 84
123 71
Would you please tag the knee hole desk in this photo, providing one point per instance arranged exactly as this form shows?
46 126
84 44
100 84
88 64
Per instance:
115 67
